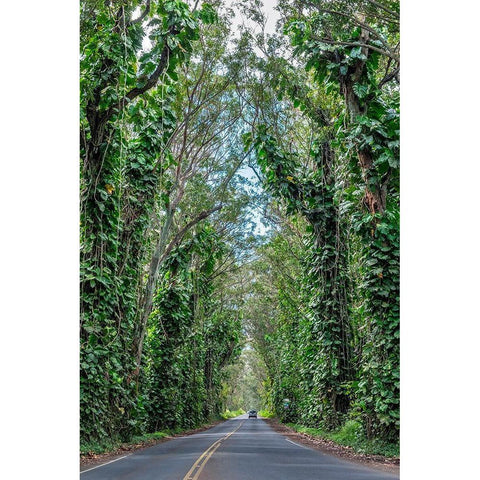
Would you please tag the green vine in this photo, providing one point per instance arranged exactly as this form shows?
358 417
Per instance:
189 340
126 120
327 319
367 136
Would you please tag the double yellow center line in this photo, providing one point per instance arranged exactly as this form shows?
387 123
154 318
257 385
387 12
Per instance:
197 467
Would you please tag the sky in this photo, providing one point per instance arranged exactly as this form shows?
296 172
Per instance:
272 17
268 8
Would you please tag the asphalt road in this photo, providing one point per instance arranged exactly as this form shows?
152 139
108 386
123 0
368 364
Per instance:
238 449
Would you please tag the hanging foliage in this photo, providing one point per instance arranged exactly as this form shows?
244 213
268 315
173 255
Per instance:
126 121
175 276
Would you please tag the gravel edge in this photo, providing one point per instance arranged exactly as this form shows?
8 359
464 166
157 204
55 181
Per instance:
386 464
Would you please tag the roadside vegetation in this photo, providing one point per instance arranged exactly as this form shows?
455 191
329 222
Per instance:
146 439
351 434
105 446
228 414
266 414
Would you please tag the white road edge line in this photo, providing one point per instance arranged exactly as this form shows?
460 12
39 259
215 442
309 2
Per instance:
103 464
301 446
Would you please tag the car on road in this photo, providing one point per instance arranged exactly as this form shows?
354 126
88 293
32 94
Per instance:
252 414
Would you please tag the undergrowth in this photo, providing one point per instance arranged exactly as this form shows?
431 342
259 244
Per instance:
266 414
109 446
229 414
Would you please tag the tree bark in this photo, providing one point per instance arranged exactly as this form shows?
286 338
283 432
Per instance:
374 199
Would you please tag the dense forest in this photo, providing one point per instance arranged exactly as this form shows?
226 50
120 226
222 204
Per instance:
239 211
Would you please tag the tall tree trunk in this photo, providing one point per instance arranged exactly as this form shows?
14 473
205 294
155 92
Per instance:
379 389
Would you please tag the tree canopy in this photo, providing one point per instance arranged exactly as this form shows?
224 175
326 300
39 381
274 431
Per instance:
192 133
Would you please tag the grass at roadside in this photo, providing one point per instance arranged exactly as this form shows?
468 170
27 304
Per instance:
266 414
351 435
108 446
97 448
228 414
92 449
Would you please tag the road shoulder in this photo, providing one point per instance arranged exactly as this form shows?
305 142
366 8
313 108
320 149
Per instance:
93 460
390 465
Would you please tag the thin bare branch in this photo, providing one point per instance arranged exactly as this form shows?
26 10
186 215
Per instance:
142 16
384 8
179 236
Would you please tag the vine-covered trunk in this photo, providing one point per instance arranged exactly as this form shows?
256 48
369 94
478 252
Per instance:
330 327
379 375
325 352
105 333
186 345
116 204
123 139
